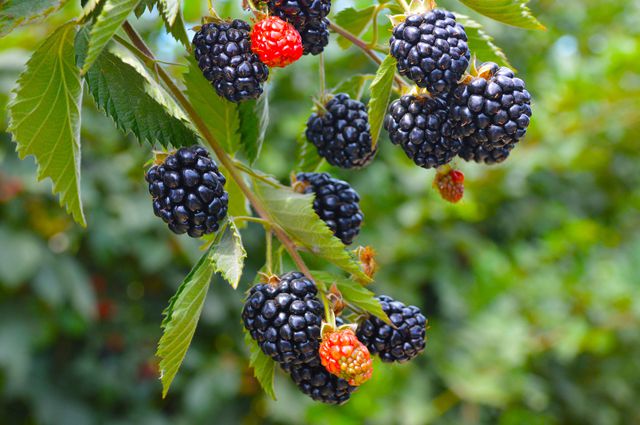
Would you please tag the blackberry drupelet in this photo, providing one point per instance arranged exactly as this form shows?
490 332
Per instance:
491 112
431 49
401 344
223 51
299 12
320 385
315 36
336 203
341 133
284 317
188 192
419 123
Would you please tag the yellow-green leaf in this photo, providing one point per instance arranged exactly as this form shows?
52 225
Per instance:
45 116
228 255
380 95
111 17
14 13
511 12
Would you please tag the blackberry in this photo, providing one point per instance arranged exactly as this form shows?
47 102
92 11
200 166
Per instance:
431 49
420 125
399 344
484 153
491 112
341 133
284 317
320 385
223 52
336 203
299 12
315 37
188 192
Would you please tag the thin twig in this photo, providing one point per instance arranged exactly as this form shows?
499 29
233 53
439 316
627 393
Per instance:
222 156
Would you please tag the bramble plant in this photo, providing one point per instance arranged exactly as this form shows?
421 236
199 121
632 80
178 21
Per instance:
320 327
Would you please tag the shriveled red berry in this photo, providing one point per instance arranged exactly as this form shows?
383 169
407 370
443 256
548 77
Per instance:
450 184
276 42
344 356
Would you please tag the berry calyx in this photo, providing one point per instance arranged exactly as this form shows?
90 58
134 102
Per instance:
344 356
450 184
276 42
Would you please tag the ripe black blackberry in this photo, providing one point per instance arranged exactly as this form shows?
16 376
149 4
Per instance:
284 316
419 123
188 192
431 49
223 52
341 133
315 36
321 385
336 203
300 12
491 112
399 344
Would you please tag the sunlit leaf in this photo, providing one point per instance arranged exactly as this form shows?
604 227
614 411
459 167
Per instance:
512 12
380 95
45 116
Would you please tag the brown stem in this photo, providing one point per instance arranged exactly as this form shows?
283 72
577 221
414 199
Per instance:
226 161
366 49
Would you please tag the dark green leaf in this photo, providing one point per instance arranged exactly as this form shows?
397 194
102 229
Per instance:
220 115
134 101
173 21
511 12
380 95
254 120
45 116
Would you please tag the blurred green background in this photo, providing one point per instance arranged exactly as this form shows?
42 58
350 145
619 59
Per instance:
531 284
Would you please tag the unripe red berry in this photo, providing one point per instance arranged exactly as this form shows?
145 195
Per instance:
276 42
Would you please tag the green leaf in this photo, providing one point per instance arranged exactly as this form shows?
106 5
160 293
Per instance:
354 293
220 115
89 8
45 116
355 21
254 120
111 17
143 7
238 203
173 21
481 43
380 95
511 12
181 319
228 255
264 367
14 13
353 86
308 158
133 100
294 213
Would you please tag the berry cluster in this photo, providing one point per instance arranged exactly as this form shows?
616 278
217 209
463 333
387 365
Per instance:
188 192
308 17
479 117
284 316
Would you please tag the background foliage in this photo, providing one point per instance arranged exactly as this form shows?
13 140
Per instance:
531 284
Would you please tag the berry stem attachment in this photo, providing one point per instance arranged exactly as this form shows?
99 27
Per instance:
222 156
269 247
212 10
322 78
405 5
